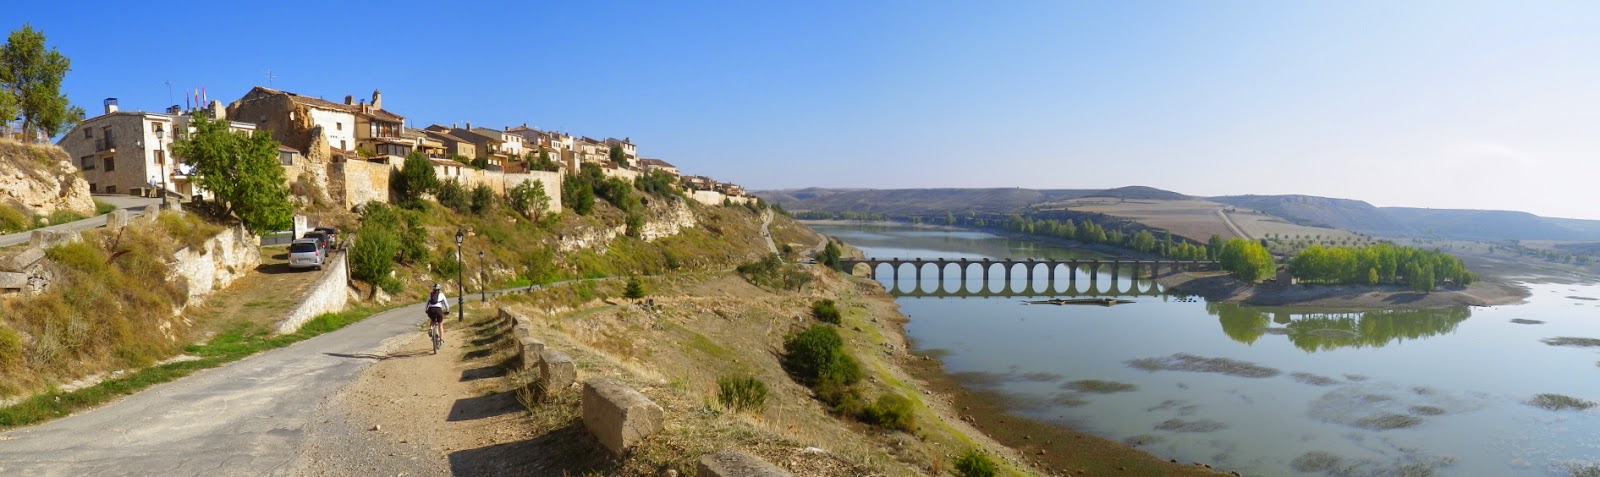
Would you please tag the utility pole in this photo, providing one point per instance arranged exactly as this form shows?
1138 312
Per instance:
169 92
270 76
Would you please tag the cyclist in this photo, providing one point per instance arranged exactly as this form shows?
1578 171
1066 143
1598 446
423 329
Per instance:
438 305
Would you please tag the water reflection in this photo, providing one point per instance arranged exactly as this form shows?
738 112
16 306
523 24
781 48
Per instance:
1313 331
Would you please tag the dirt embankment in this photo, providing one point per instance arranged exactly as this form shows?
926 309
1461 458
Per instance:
1219 287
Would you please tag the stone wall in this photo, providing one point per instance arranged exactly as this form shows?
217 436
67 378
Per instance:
216 263
362 182
328 295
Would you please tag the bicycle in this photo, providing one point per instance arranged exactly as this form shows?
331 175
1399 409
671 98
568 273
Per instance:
434 335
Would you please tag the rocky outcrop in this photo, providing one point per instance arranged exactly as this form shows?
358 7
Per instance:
666 220
40 180
662 219
217 262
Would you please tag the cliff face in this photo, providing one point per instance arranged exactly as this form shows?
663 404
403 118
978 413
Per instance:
662 219
40 180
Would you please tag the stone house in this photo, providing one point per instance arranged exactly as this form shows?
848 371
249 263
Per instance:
659 165
452 145
119 152
486 146
590 151
699 183
628 149
424 143
292 119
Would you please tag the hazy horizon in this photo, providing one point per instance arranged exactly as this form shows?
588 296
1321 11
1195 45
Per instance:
1434 104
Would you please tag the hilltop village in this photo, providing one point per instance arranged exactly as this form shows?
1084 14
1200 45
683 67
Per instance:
342 153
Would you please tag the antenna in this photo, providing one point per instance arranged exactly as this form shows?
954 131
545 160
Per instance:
169 92
270 76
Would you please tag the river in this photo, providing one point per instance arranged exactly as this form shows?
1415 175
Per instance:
1268 390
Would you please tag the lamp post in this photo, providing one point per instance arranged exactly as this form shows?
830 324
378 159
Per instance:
161 135
461 286
483 281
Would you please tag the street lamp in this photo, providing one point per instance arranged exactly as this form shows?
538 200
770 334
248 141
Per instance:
161 135
483 281
461 286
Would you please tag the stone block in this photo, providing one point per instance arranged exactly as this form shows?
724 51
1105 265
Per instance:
730 463
530 354
49 238
522 331
26 259
13 281
117 219
556 371
617 415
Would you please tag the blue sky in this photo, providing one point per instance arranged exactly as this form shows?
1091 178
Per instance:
1445 104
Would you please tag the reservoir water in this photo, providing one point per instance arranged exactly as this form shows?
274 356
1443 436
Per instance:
1269 390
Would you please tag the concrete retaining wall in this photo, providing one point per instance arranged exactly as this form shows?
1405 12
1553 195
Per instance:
329 294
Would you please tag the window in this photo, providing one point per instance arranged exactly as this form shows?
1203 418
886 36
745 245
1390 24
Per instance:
155 127
338 126
87 162
286 158
161 156
111 189
342 145
94 188
111 164
88 133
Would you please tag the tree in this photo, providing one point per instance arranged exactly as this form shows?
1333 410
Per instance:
242 172
1246 260
530 199
1214 246
634 290
453 195
30 84
416 177
482 199
830 255
618 156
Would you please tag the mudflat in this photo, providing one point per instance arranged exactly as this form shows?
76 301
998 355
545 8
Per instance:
1219 287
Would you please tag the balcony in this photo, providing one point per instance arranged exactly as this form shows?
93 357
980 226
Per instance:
105 145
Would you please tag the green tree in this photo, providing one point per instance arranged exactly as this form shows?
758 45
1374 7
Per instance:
415 178
830 255
949 218
634 290
529 198
1214 247
618 156
242 172
482 199
1246 260
453 195
30 84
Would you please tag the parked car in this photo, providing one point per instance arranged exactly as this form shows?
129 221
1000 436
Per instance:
332 233
306 253
323 241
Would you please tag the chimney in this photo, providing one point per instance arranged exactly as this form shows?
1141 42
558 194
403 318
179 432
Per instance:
348 99
377 99
469 125
111 105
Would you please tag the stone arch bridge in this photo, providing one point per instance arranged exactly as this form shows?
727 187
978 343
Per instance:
1008 271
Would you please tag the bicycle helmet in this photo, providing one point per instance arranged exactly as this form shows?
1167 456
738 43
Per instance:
436 287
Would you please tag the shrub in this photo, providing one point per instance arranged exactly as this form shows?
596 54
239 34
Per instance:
453 195
11 350
635 289
446 266
891 411
80 255
826 311
482 199
772 272
12 220
740 393
817 358
975 464
372 254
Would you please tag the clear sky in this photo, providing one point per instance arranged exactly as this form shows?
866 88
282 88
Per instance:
1444 104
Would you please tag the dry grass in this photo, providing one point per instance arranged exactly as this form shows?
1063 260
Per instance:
716 325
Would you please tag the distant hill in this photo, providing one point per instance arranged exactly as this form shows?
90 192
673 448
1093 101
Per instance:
1314 211
1139 193
916 201
1486 224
